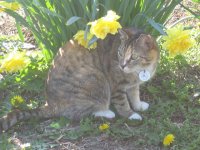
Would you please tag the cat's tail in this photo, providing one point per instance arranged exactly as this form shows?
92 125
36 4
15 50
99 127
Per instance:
15 116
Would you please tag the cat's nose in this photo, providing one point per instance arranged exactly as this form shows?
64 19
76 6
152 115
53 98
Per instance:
123 65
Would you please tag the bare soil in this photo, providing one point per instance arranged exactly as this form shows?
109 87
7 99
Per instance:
8 27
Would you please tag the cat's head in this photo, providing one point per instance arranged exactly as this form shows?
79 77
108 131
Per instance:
137 50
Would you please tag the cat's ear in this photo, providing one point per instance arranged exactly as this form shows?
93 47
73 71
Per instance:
123 35
146 40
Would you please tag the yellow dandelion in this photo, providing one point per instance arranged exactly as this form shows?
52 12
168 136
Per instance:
9 5
103 127
79 36
17 101
177 40
168 139
105 25
2 9
14 62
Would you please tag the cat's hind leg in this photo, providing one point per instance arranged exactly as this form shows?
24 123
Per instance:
92 97
105 113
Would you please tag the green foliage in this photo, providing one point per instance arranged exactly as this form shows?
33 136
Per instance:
87 127
4 142
198 1
49 20
31 79
61 122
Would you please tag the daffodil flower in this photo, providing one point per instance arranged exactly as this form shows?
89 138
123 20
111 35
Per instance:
80 37
105 25
177 40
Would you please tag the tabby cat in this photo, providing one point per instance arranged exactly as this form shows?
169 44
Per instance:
82 82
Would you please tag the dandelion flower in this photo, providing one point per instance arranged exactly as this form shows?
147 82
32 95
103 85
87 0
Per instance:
105 25
2 9
17 101
80 37
104 126
14 62
177 40
168 139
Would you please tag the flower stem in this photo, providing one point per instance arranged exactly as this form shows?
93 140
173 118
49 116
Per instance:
180 20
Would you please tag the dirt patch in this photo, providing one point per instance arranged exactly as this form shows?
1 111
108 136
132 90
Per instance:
8 27
179 13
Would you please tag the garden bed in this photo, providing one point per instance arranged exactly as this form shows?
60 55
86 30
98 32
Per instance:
173 94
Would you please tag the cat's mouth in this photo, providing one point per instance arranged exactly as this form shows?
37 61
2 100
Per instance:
125 69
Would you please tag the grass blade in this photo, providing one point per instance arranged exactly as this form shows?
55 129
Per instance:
20 33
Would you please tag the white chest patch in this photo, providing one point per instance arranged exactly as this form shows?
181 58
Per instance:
144 75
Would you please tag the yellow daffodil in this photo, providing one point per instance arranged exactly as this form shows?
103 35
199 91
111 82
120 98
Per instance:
177 40
105 25
104 126
80 37
168 139
12 5
111 16
14 62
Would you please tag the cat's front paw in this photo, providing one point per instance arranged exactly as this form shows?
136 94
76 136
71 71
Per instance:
135 116
141 106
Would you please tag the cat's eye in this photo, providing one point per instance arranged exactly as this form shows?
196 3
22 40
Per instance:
134 57
146 58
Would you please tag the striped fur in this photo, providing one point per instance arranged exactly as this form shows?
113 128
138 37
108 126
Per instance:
17 115
82 82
